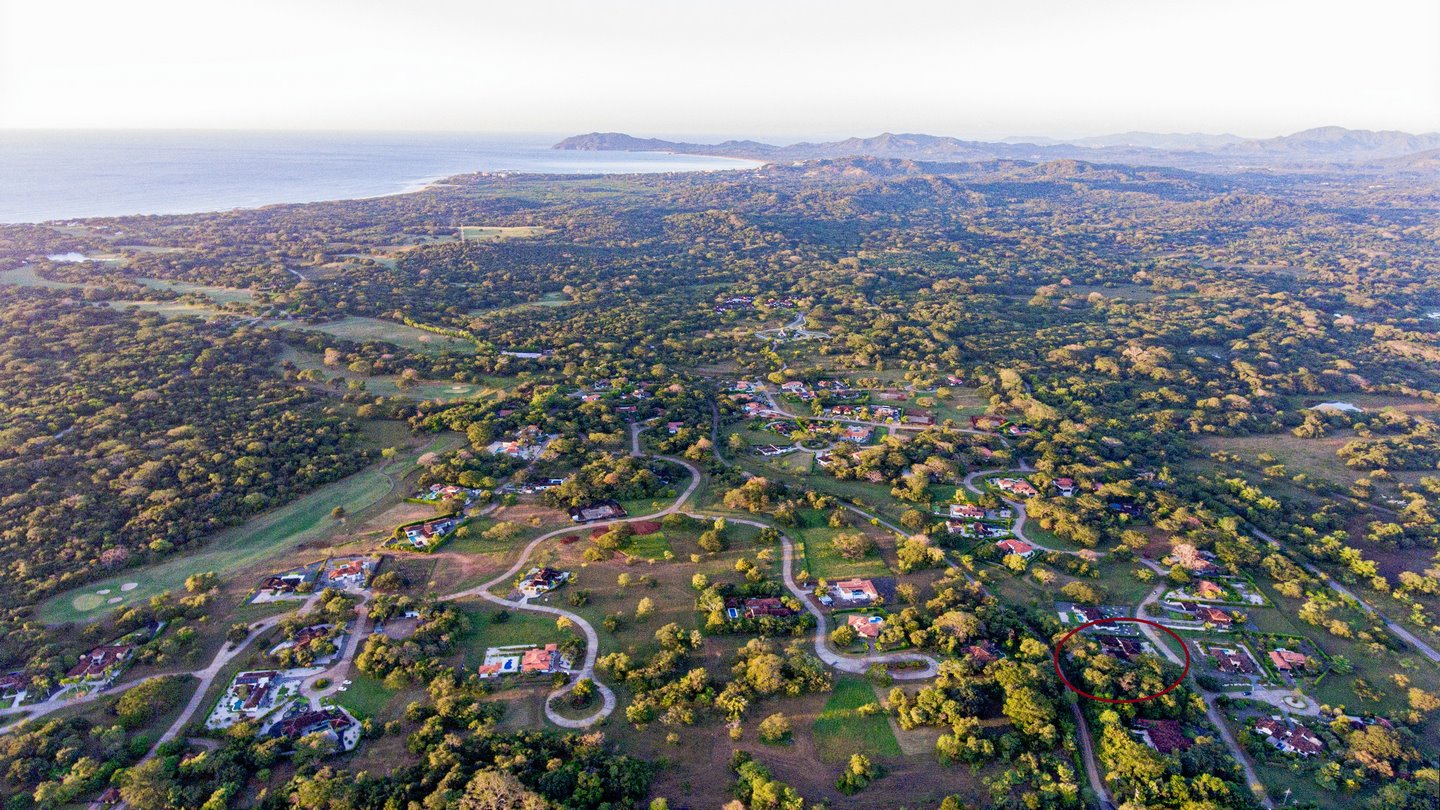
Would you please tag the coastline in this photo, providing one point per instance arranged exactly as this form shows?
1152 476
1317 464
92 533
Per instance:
105 175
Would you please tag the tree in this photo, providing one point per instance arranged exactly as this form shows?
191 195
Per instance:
843 636
645 608
775 728
852 545
201 583
497 790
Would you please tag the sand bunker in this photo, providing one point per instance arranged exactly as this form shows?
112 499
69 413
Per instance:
129 586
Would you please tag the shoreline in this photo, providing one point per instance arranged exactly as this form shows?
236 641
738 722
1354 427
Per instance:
205 182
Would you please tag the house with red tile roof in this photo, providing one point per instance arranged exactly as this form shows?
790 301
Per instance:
1016 546
967 510
866 626
1017 487
855 590
1066 487
1209 590
1289 736
541 659
1214 616
1165 736
1288 660
100 663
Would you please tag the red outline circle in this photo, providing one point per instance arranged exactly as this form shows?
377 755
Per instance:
1073 688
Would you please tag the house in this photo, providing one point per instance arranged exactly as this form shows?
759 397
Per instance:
101 662
1165 736
348 573
1016 487
753 408
855 590
884 412
249 691
843 410
541 659
673 427
766 606
987 421
333 722
857 433
866 626
1287 660
1066 487
284 583
1121 648
768 450
599 510
542 580
1289 736
1214 616
982 653
431 532
1019 430
1209 590
1228 660
919 419
966 510
12 684
1015 546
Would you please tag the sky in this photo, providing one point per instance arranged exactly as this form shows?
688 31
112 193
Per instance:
778 69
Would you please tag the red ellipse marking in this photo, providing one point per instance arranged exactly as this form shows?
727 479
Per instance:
1077 690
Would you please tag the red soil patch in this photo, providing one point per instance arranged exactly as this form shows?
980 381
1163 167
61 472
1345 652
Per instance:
646 527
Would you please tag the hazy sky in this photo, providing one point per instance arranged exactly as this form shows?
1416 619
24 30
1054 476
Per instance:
808 68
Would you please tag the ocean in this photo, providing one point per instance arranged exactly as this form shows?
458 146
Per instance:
68 175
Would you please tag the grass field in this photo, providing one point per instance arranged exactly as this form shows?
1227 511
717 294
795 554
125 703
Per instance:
650 546
499 233
242 547
373 329
484 632
26 277
821 558
220 295
840 731
384 385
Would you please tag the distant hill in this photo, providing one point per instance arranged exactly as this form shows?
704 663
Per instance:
1336 147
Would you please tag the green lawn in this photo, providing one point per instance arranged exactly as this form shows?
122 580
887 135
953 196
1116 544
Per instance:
372 329
840 731
521 628
821 558
649 546
240 548
365 696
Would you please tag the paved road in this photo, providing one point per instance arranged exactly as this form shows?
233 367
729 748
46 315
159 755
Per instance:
856 664
1394 627
1211 712
338 670
1018 509
1092 767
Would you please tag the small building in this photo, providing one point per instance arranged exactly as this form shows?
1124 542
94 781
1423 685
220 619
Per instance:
983 653
1066 487
673 427
599 510
858 433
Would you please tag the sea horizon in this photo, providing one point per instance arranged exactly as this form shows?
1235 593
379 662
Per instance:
57 175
